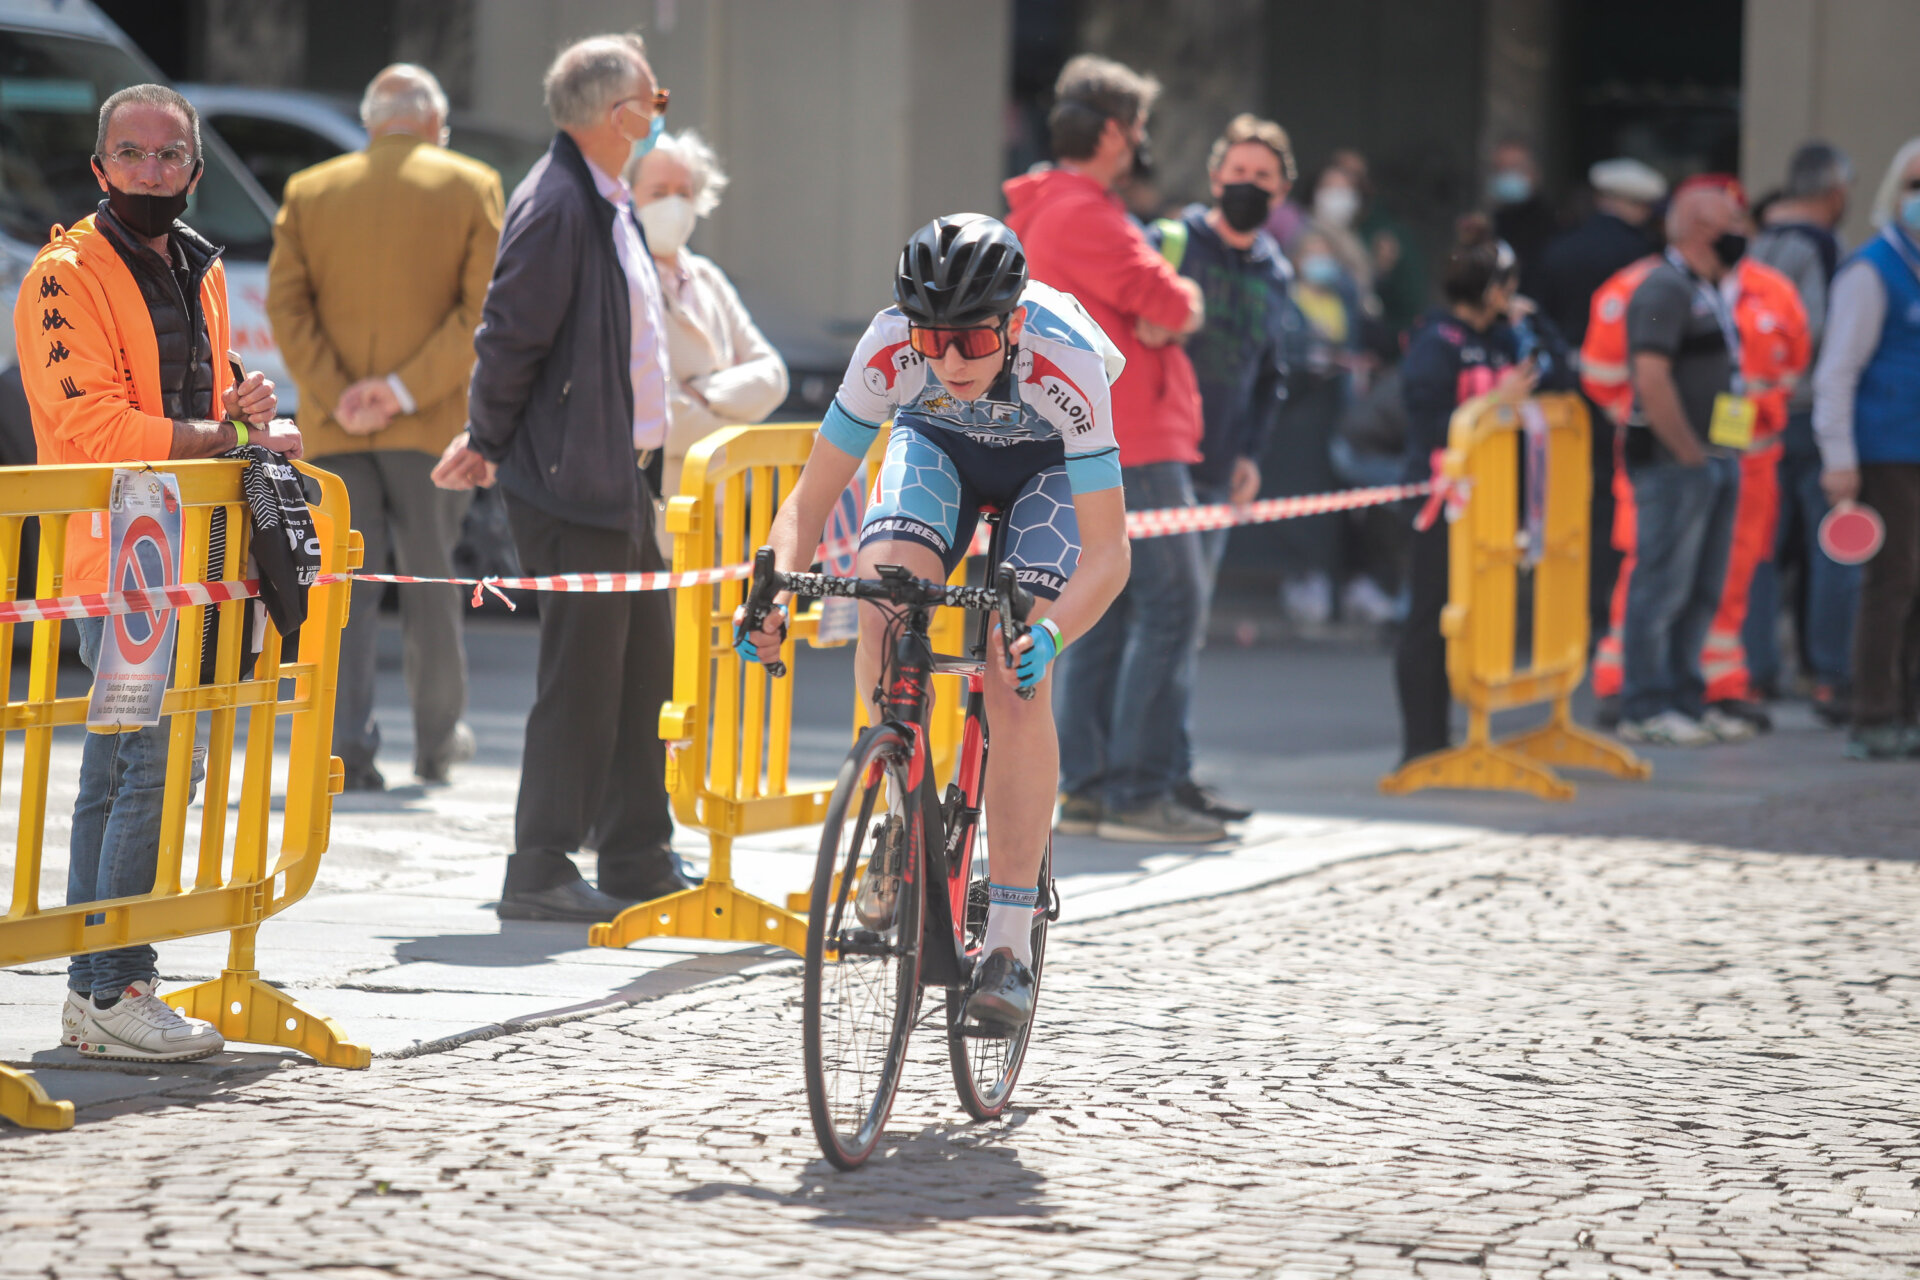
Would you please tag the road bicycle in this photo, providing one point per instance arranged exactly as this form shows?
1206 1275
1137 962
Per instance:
900 889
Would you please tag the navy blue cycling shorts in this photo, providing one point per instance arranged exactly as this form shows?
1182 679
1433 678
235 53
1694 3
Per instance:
934 482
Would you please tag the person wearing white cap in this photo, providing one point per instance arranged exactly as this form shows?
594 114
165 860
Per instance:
1625 192
1618 232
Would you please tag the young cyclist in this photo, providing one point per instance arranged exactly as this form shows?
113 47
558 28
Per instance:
997 388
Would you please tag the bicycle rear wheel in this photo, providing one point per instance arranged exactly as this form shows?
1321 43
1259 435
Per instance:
986 1067
863 949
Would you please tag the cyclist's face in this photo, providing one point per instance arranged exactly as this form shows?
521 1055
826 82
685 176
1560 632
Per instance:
970 379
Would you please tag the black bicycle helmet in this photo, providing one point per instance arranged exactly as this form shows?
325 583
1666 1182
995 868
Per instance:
959 271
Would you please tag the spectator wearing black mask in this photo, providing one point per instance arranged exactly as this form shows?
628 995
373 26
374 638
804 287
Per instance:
1237 358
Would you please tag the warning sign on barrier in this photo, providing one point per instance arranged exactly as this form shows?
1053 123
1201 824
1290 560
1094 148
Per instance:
136 651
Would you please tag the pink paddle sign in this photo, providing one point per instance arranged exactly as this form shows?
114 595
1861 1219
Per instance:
1852 534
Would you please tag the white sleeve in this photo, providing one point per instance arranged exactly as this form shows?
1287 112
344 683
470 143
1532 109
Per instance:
884 371
1067 386
1856 310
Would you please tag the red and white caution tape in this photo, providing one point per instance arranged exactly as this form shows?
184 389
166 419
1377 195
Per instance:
1140 524
179 595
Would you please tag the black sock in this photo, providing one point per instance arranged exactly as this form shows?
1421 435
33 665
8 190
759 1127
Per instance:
108 1003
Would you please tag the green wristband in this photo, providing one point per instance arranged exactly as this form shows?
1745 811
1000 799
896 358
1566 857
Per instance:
1053 629
239 429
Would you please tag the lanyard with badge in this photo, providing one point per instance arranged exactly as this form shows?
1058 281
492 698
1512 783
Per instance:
1734 412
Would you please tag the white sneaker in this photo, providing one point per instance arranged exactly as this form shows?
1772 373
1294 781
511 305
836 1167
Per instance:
1308 601
1363 601
1727 728
1668 729
141 1027
73 1017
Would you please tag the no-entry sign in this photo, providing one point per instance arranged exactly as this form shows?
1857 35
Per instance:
136 652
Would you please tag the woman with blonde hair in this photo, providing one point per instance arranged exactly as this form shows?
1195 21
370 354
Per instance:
725 372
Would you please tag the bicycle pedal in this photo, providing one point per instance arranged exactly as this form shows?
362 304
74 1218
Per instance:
987 1031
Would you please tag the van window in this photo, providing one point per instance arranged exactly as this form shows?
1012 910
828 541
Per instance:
273 150
51 88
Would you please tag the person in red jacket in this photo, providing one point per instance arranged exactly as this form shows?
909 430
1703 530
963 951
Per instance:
1123 689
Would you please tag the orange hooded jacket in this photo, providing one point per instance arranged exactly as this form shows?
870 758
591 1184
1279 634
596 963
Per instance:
91 366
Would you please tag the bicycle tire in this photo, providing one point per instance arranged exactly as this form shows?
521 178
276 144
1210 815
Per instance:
986 1069
859 1008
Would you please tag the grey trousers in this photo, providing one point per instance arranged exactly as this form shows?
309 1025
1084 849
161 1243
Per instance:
411 525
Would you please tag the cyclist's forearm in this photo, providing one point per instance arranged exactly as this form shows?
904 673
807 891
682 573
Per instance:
802 518
1095 583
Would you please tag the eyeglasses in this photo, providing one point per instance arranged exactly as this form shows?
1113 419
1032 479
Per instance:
174 157
658 101
974 344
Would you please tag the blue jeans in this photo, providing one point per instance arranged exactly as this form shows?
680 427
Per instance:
1213 548
1685 532
1833 589
115 848
1121 697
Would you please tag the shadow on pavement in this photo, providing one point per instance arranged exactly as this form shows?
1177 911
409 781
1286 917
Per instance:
937 1174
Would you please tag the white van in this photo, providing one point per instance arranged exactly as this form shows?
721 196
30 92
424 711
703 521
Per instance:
59 60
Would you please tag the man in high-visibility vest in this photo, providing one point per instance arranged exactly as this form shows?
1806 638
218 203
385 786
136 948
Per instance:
1775 347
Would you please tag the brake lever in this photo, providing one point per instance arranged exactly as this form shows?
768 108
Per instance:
766 584
1016 602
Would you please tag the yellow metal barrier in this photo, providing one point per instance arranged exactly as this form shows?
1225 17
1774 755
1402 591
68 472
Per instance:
234 885
728 728
1486 548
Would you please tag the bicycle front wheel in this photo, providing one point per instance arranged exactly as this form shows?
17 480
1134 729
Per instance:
986 1065
863 947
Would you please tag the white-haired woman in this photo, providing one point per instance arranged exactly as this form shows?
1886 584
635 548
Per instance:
724 370
1866 417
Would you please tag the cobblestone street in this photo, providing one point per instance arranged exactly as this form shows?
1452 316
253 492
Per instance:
1536 1056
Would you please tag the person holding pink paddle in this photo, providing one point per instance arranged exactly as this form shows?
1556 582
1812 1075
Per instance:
1866 417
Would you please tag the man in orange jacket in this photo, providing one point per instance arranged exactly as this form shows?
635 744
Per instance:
1775 346
122 330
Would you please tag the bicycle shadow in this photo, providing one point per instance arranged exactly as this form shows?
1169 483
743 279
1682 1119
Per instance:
937 1174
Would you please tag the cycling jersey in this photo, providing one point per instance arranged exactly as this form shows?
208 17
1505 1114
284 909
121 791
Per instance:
1055 389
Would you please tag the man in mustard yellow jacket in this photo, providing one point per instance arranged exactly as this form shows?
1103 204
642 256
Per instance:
380 266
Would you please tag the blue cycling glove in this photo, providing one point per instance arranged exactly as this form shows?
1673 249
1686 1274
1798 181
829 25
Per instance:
743 639
1034 662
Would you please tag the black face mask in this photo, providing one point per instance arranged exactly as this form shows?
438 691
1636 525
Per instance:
1244 205
1142 158
146 215
1729 247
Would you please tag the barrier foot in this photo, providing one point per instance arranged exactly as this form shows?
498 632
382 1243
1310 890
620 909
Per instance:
1562 742
24 1102
241 1007
1478 766
714 909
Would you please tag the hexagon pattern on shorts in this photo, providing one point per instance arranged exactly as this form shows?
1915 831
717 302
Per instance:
920 482
1042 532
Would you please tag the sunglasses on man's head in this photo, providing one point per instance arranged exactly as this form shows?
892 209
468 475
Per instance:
974 344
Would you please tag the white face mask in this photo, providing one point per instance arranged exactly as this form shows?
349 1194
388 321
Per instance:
1336 205
668 223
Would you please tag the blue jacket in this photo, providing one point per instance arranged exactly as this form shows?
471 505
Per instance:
552 394
1886 404
1239 354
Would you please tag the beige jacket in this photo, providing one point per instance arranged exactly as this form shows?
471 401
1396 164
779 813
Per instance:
380 266
713 346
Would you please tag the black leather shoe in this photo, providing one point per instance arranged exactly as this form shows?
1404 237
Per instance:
644 884
364 778
574 900
1002 992
1191 795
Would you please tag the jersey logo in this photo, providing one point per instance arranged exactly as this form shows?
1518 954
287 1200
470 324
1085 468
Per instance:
56 353
50 287
70 390
887 365
1034 369
940 402
1612 309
